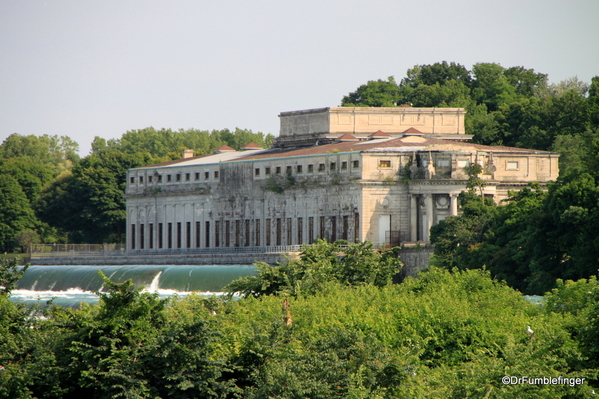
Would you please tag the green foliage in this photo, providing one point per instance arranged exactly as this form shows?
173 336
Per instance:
380 93
16 214
10 273
320 264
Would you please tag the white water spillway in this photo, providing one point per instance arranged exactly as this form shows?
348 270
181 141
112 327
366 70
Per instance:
70 285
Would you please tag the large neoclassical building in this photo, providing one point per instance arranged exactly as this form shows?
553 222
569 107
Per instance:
379 174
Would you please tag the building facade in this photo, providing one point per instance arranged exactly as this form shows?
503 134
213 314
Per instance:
380 174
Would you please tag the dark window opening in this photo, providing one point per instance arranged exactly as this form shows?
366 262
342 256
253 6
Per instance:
187 176
267 171
237 233
141 236
310 230
132 179
141 179
343 165
322 236
321 167
300 230
169 235
299 168
206 175
179 235
289 232
310 168
357 227
257 171
132 236
197 176
267 229
333 165
333 228
160 235
278 170
356 164
151 236
207 235
288 170
257 232
159 178
216 174
168 178
178 177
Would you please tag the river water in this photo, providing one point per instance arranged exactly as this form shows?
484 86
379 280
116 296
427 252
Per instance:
70 285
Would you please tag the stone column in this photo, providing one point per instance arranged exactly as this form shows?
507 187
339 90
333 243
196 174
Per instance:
453 204
413 217
428 202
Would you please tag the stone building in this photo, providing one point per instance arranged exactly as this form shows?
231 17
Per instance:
379 174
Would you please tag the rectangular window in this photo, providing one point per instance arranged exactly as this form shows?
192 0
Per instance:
384 163
267 171
141 236
217 234
310 230
149 179
178 177
333 165
511 165
463 163
267 231
187 176
356 164
247 233
197 175
216 174
160 235
132 179
333 228
278 170
321 167
227 233
179 235
322 236
198 228
206 175
289 232
168 178
345 227
288 170
443 163
159 178
310 168
357 227
298 169
279 228
169 235
207 235
188 234
257 221
151 235
141 179
132 236
257 172
237 233
344 165
300 231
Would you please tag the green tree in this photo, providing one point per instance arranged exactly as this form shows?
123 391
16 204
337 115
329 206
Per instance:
320 264
15 212
379 93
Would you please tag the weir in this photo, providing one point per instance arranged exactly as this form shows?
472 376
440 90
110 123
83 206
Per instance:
72 284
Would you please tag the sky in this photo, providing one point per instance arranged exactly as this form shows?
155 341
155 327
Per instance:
101 68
